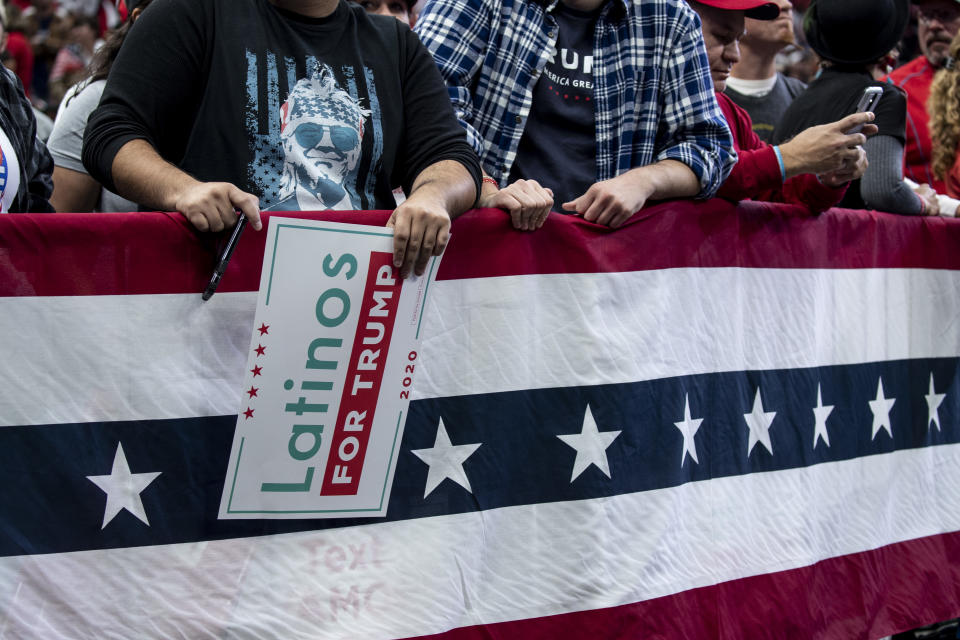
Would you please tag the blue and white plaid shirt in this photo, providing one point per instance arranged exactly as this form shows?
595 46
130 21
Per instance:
653 95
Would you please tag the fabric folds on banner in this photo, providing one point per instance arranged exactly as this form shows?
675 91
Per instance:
717 422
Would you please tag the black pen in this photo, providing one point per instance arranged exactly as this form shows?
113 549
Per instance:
224 258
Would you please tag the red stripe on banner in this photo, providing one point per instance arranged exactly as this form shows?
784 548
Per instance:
358 403
860 596
156 253
86 254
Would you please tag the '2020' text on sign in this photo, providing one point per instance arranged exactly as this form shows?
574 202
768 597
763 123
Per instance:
331 363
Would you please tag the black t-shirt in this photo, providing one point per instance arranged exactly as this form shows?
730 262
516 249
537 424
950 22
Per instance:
305 113
558 148
835 95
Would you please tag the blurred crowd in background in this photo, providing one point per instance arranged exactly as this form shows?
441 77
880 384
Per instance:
49 44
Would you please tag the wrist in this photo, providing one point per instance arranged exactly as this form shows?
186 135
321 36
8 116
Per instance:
783 167
789 165
664 179
182 185
645 180
488 188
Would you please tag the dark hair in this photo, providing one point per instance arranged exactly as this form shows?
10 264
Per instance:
88 21
103 59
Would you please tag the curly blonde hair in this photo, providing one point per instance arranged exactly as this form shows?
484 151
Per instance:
944 109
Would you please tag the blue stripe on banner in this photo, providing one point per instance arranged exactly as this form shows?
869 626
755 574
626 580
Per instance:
49 505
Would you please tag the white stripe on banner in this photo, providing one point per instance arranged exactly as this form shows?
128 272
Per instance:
505 334
111 358
424 576
173 356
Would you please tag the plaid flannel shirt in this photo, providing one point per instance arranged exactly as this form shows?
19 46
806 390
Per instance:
653 96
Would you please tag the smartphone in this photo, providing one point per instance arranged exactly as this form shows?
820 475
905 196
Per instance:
868 102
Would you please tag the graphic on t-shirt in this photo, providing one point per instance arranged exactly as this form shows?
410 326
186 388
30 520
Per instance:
9 173
570 74
321 131
309 149
3 175
558 147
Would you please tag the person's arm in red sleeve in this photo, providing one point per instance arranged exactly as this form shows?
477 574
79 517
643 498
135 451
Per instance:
757 171
808 191
760 170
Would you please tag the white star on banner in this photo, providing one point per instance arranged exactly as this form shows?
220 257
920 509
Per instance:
759 424
820 415
933 405
123 489
881 411
445 460
688 428
591 445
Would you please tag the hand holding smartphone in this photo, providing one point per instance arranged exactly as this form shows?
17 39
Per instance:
868 102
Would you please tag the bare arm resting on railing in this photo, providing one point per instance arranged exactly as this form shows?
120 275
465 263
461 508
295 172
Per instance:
421 224
612 201
441 192
143 176
653 103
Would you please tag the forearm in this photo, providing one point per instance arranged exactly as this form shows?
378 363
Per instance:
882 186
756 176
668 179
611 202
73 191
421 225
449 183
141 175
806 190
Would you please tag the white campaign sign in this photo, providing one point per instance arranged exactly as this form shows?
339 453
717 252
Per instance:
331 364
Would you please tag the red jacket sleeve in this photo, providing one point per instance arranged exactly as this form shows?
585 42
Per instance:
757 174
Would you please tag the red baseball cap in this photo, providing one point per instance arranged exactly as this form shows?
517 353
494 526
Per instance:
756 9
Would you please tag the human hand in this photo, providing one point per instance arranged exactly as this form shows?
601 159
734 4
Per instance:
421 228
827 147
212 206
611 202
527 202
931 205
844 175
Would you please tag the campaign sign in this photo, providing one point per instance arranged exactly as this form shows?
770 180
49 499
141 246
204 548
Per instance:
332 360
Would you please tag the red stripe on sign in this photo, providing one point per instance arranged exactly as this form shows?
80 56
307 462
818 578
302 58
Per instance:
859 596
157 253
358 403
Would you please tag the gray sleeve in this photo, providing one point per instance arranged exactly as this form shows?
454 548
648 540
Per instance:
66 139
882 186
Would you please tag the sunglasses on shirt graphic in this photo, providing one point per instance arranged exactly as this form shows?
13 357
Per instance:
311 134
